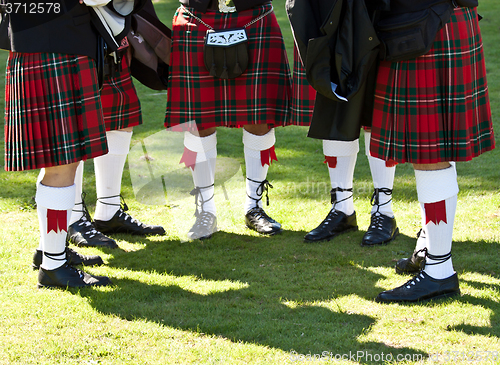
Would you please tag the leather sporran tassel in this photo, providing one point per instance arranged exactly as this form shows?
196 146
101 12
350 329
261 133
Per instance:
213 69
224 74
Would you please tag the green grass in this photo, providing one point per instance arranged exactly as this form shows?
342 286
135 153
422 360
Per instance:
243 299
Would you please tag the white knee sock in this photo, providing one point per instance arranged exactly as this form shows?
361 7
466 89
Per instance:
259 153
341 158
108 174
77 211
437 193
383 178
204 169
54 209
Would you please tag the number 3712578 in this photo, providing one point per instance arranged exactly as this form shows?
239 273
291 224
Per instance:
30 8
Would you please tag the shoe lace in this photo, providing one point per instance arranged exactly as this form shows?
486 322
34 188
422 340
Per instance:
414 280
198 199
86 219
56 256
204 219
260 213
123 208
375 200
262 188
333 196
438 259
333 213
376 221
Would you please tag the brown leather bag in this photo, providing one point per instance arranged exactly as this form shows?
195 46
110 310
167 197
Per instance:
151 41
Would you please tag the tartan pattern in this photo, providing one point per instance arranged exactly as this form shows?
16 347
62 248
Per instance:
120 104
435 108
303 94
260 95
53 111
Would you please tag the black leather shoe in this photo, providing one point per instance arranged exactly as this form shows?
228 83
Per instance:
124 223
411 265
204 227
421 288
83 233
68 276
382 230
74 258
259 221
335 223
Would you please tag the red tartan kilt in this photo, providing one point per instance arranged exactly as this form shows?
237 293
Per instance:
260 95
53 111
303 94
120 104
435 108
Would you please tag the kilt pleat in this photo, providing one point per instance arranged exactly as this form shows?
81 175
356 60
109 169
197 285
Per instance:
303 94
436 107
120 104
260 95
53 111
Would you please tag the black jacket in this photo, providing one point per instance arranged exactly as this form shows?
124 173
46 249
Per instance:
69 28
338 44
66 31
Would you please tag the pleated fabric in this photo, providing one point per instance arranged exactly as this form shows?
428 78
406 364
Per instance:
435 108
261 95
120 103
53 113
303 94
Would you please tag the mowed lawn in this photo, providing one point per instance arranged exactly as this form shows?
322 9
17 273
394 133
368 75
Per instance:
244 299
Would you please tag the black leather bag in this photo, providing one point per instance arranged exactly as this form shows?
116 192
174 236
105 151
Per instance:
226 52
408 35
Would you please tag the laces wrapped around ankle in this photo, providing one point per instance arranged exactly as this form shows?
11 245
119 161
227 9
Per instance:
261 189
56 256
198 198
438 259
86 218
333 195
123 207
375 200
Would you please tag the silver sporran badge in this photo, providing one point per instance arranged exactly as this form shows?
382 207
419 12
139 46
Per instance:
226 38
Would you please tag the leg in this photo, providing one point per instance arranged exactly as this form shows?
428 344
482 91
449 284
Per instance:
437 190
55 198
74 258
110 216
341 159
258 142
383 227
81 230
200 154
416 262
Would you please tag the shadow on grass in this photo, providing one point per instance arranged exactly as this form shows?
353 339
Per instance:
264 290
